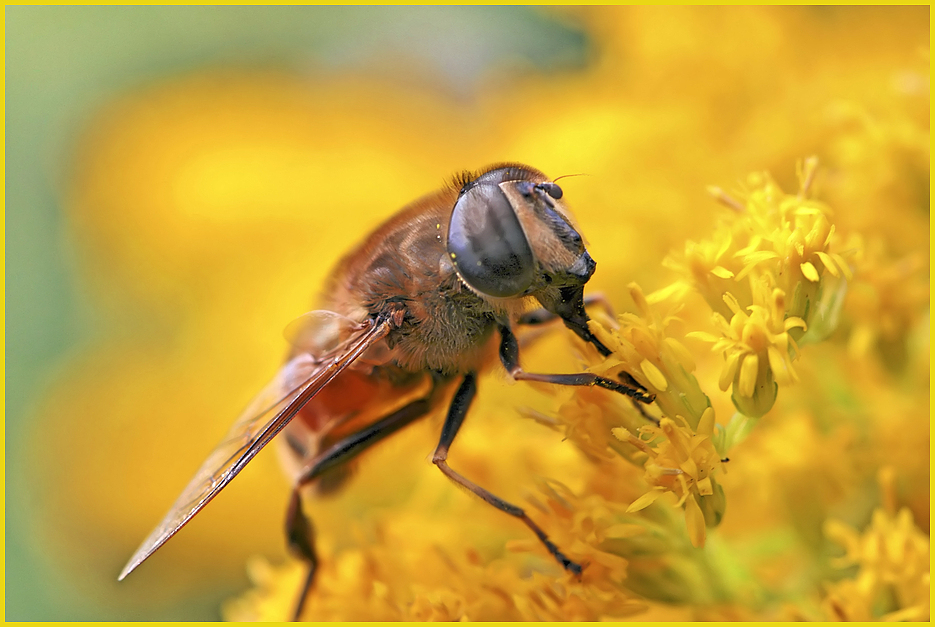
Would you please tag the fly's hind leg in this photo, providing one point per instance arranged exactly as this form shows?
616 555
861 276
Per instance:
300 534
300 537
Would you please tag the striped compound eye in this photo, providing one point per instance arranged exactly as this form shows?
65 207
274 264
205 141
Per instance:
487 244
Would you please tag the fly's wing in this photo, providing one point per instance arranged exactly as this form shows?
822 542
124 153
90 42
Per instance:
320 332
295 385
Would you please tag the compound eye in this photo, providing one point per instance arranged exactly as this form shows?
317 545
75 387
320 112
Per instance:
487 245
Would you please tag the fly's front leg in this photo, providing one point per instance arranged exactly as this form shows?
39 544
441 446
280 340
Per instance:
509 355
543 315
299 530
456 413
571 309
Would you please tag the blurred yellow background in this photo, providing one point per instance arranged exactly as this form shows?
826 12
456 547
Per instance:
180 180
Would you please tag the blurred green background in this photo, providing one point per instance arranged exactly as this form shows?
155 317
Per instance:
62 65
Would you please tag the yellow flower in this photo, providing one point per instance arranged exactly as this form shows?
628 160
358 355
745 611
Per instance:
757 349
887 303
684 463
777 257
417 579
793 245
661 363
787 238
710 267
892 556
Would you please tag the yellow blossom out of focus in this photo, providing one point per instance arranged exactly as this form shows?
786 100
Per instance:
783 331
893 560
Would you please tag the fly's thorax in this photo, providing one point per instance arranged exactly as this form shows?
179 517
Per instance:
447 330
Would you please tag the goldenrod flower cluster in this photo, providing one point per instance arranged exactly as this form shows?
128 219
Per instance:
771 276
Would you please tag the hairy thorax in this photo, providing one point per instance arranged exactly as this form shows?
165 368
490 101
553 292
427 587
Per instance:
404 266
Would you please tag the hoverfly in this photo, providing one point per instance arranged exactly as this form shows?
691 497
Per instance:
414 311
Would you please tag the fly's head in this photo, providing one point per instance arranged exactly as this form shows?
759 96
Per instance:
511 237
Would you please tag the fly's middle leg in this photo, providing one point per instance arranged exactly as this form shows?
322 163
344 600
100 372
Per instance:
456 413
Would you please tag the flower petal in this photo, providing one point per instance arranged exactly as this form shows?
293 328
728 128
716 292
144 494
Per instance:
809 271
703 336
694 521
729 371
646 500
684 357
706 424
829 263
655 376
746 382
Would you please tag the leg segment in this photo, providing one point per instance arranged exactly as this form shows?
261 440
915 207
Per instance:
509 355
568 304
456 413
354 444
300 537
543 315
570 308
300 534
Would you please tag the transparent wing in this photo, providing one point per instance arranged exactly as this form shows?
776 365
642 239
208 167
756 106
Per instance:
295 384
319 332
